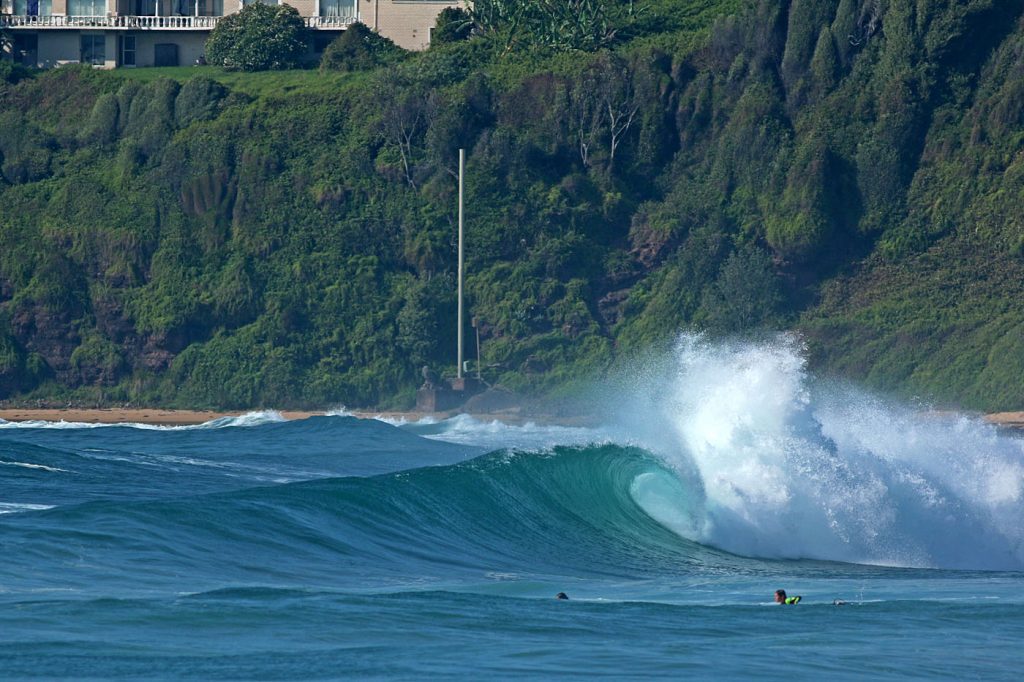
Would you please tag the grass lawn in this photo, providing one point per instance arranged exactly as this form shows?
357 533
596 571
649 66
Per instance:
257 84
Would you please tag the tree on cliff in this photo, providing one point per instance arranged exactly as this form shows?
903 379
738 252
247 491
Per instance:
258 38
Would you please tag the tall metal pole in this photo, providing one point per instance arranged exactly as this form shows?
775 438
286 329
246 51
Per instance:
462 167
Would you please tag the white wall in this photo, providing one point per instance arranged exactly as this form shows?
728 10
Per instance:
407 23
190 45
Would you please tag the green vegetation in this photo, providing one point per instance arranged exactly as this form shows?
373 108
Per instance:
360 49
203 237
453 24
258 38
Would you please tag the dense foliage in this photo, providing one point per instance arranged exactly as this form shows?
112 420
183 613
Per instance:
850 168
258 38
560 24
453 24
359 49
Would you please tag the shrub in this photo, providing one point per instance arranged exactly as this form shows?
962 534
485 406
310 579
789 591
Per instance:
102 126
453 25
12 72
258 38
199 100
358 49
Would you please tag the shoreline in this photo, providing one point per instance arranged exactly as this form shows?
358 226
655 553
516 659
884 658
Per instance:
164 417
168 417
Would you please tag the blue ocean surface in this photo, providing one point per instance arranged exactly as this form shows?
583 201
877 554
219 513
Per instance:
334 547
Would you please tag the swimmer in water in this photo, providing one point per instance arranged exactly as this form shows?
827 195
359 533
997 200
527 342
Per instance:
781 598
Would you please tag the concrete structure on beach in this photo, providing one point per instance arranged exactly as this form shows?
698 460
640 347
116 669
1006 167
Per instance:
130 33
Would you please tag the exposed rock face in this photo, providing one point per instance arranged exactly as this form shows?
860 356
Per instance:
650 246
160 349
112 322
51 334
610 306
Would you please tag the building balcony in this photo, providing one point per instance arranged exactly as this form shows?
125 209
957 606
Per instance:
152 23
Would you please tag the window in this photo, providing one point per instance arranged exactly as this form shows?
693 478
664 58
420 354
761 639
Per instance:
87 8
338 8
128 51
246 3
94 49
321 39
33 8
165 54
182 8
211 8
26 48
143 8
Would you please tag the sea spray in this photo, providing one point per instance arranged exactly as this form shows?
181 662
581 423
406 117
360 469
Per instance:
785 466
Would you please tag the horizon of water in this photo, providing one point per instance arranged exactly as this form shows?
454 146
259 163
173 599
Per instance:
254 547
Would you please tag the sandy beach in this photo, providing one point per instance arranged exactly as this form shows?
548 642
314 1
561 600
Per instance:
115 415
1013 420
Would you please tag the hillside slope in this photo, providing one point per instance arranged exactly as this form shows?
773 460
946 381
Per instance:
853 169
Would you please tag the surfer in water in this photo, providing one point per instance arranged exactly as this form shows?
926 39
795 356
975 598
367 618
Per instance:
561 595
781 598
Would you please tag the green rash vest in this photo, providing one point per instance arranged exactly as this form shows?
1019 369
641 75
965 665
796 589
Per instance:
792 600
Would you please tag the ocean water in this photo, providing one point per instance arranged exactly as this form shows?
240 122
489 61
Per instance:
255 548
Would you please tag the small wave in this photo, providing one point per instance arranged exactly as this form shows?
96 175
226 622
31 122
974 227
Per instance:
40 424
255 418
27 465
18 507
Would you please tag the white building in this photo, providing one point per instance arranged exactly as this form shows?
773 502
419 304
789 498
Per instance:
113 33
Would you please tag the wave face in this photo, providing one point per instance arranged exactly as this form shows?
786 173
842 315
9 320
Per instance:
569 512
780 465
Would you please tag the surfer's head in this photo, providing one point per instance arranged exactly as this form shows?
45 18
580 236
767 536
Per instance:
561 595
780 596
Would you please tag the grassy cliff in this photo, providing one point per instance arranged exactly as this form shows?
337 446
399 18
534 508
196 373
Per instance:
853 169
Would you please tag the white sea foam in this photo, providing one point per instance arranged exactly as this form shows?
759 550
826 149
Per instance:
255 418
18 507
28 465
39 424
495 434
775 464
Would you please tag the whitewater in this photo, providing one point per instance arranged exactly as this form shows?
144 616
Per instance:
258 548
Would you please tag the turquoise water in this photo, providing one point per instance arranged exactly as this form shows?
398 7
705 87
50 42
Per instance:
253 548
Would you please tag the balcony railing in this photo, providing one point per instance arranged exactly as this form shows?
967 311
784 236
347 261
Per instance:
337 21
149 23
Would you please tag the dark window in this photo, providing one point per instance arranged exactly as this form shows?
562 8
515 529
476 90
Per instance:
165 54
128 51
94 49
321 39
26 48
